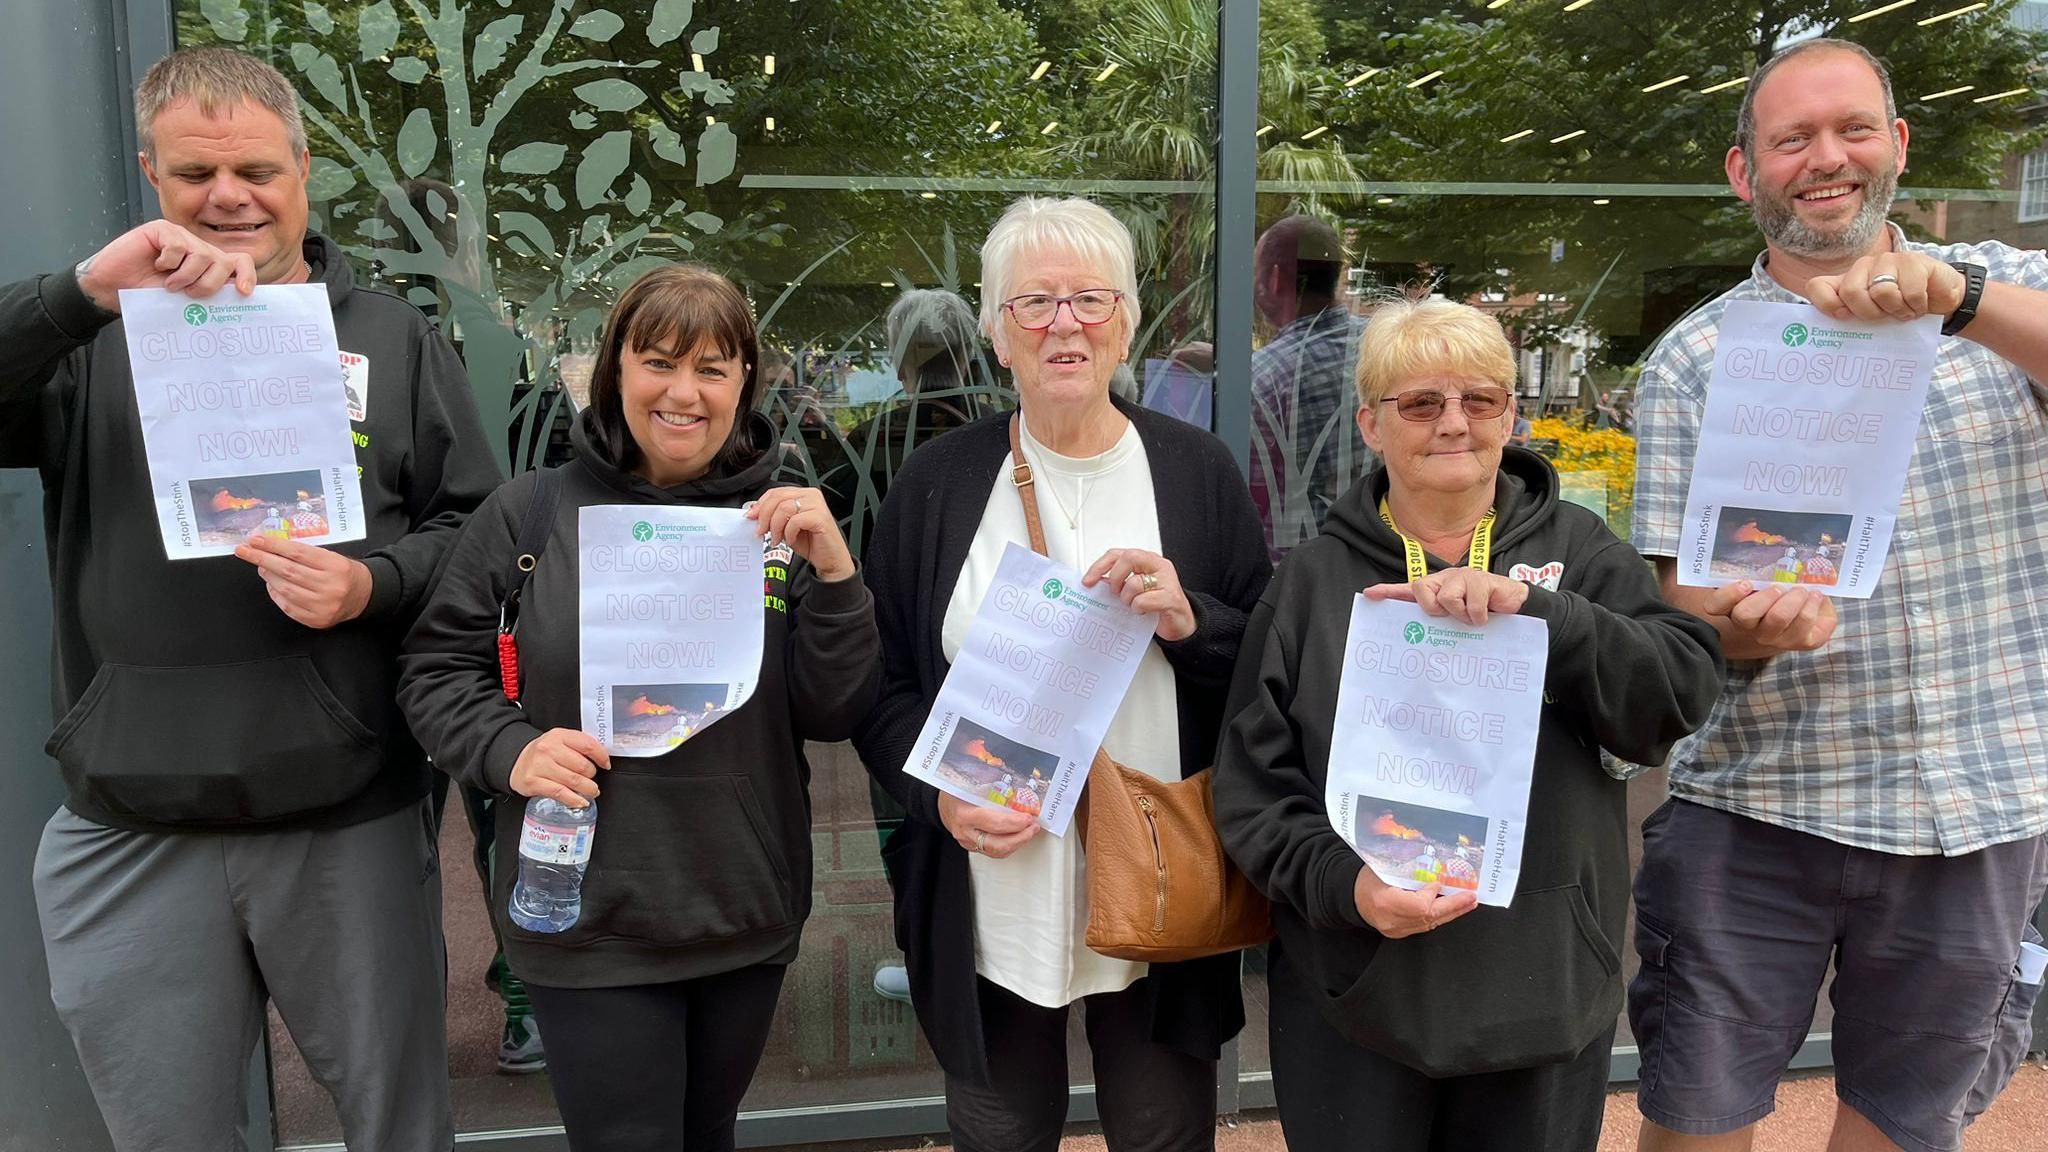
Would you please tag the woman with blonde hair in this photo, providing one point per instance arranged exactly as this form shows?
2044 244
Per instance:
1416 1015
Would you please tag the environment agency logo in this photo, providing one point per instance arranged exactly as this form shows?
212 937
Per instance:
1053 589
1413 633
1795 335
643 531
195 314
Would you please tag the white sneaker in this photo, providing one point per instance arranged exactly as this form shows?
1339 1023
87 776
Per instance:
892 982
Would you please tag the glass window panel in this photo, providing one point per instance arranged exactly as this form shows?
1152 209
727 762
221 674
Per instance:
511 165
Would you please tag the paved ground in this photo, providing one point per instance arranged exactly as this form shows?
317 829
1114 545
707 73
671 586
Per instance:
2017 1123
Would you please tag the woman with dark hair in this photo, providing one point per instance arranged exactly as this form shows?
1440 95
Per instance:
656 1002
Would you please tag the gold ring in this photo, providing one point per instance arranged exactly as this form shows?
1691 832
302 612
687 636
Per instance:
798 506
1149 580
981 840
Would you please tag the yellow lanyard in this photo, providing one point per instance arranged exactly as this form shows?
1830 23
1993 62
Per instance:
1418 564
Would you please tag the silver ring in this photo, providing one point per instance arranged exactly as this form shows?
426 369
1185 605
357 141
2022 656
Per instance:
798 506
981 840
1149 580
1883 278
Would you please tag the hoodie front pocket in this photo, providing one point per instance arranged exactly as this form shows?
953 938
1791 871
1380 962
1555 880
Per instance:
681 860
1499 988
214 743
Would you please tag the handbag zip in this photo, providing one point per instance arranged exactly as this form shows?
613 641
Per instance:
1158 864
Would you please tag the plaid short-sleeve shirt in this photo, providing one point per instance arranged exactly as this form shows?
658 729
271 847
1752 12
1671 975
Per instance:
1921 727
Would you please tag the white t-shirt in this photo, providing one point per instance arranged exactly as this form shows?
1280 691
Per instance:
1031 908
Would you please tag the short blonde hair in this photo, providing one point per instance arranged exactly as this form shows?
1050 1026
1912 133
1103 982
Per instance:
1411 338
1071 226
219 79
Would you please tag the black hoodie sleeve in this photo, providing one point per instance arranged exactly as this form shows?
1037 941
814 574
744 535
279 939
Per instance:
1269 808
448 672
1638 672
1232 531
451 471
834 678
890 567
43 323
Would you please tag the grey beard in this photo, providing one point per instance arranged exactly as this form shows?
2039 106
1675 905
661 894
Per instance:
1781 225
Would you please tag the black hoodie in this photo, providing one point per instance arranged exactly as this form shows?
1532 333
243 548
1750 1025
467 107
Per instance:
701 862
1498 988
187 699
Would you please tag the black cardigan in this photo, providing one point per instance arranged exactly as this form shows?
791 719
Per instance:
1208 528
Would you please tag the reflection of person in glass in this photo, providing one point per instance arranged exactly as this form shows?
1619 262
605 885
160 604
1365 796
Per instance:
1304 448
936 351
992 912
1893 744
1416 1015
657 1003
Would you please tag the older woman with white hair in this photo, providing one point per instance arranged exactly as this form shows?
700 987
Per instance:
990 910
1416 1015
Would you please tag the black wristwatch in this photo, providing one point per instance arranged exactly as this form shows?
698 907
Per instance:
1973 292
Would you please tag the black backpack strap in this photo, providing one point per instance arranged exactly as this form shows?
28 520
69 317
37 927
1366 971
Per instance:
534 529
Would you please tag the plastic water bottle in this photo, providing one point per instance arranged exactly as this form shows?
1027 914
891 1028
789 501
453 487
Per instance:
554 849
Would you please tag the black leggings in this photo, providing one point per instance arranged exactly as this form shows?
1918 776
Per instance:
656 1067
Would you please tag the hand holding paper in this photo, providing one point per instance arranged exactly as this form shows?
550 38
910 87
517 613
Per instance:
801 516
1397 912
1146 582
318 588
160 254
993 832
1464 594
1775 618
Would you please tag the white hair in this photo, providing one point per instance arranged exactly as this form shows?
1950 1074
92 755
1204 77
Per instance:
1038 225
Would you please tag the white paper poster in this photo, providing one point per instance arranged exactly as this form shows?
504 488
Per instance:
670 615
1434 746
1804 446
243 417
1043 669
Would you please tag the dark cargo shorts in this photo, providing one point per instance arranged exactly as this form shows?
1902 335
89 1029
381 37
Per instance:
1737 921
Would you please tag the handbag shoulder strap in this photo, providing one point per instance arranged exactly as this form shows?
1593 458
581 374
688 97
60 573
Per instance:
1020 475
1027 491
532 541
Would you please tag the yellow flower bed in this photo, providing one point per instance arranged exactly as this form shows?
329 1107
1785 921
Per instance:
1607 450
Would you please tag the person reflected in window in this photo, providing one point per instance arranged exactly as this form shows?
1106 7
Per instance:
990 909
1304 448
1415 1015
935 348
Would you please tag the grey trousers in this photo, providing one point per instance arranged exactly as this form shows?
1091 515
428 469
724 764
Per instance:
163 949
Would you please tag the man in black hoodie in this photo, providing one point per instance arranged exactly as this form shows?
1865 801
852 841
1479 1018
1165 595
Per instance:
245 810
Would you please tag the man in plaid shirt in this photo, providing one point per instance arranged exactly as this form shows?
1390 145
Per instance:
1306 448
1872 787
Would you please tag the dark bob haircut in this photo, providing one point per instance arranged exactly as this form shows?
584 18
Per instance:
676 308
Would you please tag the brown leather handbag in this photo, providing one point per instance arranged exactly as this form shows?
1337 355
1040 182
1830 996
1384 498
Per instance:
1160 887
